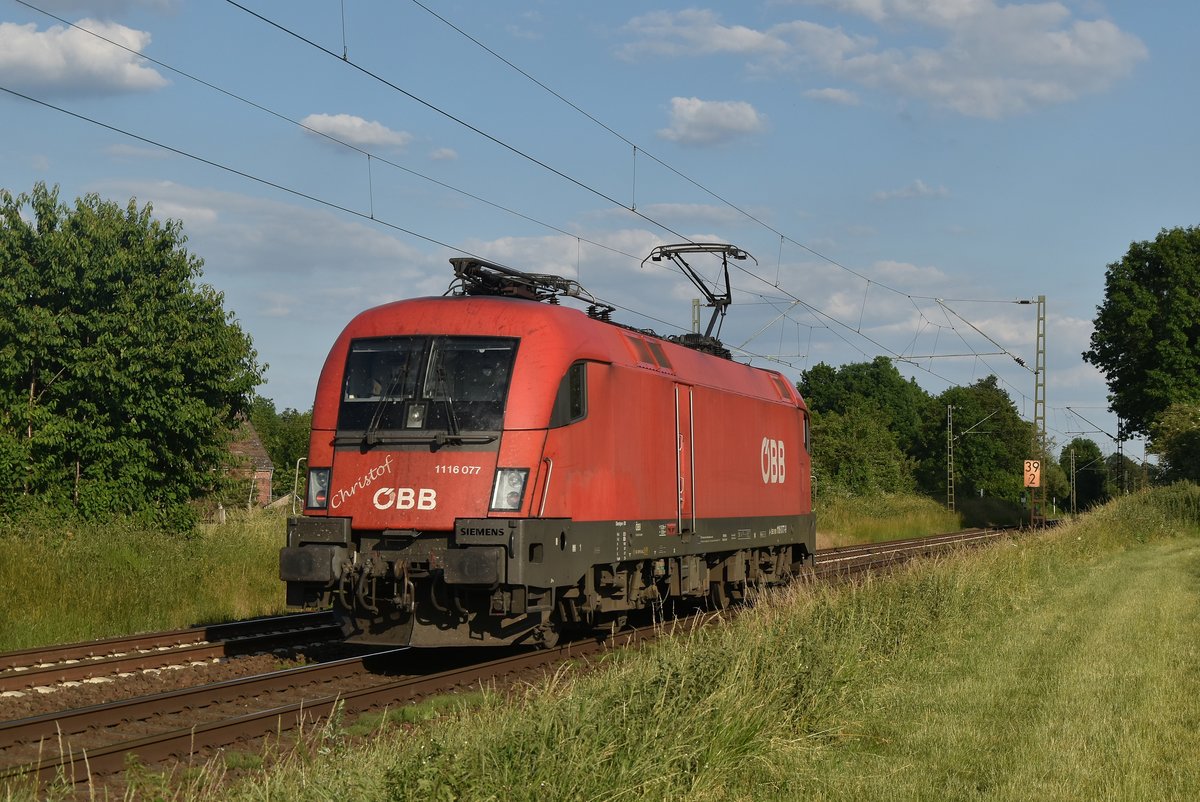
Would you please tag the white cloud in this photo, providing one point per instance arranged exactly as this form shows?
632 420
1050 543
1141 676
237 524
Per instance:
444 154
840 97
977 57
692 32
917 189
1006 61
930 12
710 122
67 61
356 131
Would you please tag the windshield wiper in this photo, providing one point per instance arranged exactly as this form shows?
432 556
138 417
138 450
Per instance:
446 400
369 436
436 440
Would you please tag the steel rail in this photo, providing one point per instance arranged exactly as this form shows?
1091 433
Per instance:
76 765
45 666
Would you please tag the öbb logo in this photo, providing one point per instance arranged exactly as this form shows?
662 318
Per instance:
405 498
774 469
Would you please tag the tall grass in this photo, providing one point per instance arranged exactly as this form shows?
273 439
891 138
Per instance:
1058 666
842 520
77 581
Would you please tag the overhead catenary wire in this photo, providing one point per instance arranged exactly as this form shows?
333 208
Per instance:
817 314
309 197
604 196
561 174
369 155
458 120
782 236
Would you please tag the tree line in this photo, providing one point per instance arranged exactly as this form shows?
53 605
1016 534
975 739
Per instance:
876 432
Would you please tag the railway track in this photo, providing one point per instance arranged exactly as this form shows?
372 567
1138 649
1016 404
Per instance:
74 746
49 666
849 560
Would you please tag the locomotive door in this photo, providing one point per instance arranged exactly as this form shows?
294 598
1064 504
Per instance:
685 461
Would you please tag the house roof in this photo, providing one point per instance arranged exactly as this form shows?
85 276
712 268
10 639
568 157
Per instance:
247 448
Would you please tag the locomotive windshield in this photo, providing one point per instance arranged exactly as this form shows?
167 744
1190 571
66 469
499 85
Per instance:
426 384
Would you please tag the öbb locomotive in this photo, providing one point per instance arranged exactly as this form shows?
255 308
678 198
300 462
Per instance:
491 467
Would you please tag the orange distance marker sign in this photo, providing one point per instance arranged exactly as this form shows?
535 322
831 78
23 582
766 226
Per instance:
1033 473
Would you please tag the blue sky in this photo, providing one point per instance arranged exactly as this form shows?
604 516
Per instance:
873 155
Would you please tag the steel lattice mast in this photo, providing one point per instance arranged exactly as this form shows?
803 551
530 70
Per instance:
1037 505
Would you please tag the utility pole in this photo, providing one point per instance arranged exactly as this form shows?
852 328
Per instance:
950 438
1037 495
1121 457
1073 480
950 457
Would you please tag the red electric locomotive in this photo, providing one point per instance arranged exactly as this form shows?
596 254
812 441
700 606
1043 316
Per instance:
490 468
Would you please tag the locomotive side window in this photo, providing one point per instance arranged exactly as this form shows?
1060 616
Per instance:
449 384
781 388
641 350
649 352
570 404
660 356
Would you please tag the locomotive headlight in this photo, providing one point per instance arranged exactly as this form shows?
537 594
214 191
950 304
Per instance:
318 489
508 489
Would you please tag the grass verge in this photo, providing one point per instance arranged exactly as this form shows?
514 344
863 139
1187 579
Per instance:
845 520
77 581
1061 666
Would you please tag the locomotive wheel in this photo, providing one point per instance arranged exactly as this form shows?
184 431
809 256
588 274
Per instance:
718 598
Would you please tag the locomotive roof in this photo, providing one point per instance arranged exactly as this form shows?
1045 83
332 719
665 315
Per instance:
553 337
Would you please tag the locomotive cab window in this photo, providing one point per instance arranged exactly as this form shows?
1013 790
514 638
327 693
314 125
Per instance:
446 384
570 403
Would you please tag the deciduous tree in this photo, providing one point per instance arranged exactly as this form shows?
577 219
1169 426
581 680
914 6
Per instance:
121 374
284 434
1175 438
1146 339
855 453
1090 471
901 403
991 443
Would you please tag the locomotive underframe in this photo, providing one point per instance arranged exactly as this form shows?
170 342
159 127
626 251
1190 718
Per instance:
496 581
